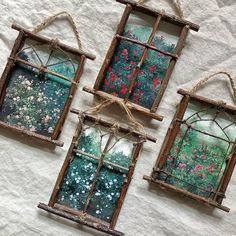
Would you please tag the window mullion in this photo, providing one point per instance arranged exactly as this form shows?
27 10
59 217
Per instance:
40 68
97 158
144 56
175 56
100 164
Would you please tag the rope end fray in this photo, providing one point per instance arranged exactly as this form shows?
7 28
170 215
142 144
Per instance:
179 8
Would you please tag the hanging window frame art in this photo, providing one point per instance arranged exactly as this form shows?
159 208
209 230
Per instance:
141 58
198 155
40 73
96 174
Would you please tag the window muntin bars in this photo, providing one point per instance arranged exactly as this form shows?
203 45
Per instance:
95 176
198 155
38 85
141 58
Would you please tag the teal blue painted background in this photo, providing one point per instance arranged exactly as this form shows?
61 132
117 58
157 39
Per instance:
81 172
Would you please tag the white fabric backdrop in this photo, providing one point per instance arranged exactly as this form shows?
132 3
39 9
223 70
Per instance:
28 170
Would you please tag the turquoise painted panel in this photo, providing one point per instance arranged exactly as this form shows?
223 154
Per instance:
137 32
121 153
32 102
197 161
55 60
77 182
164 44
62 64
81 175
81 171
90 142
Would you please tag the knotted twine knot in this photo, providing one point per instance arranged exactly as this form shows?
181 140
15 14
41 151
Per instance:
136 125
42 69
115 127
221 104
54 43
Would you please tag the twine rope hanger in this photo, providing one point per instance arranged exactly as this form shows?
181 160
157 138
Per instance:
136 125
214 76
46 22
177 5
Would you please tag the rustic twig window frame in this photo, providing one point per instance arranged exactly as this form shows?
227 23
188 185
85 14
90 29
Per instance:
160 16
81 217
219 195
13 59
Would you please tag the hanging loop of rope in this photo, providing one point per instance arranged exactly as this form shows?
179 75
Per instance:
177 5
214 76
52 18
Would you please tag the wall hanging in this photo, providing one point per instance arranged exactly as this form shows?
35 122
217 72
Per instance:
96 174
141 58
39 83
199 152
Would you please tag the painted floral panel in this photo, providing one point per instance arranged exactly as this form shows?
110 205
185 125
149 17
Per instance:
137 32
33 102
148 81
125 60
81 172
167 36
197 161
123 64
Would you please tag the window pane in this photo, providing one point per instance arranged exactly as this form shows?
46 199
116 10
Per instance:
197 161
167 37
120 153
77 182
91 142
33 101
111 179
139 27
106 194
122 66
55 60
63 64
148 81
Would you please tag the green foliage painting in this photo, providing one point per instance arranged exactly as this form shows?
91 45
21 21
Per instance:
125 60
197 161
81 172
34 101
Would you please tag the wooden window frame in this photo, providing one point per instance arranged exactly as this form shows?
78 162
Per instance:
134 6
167 145
80 216
13 59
